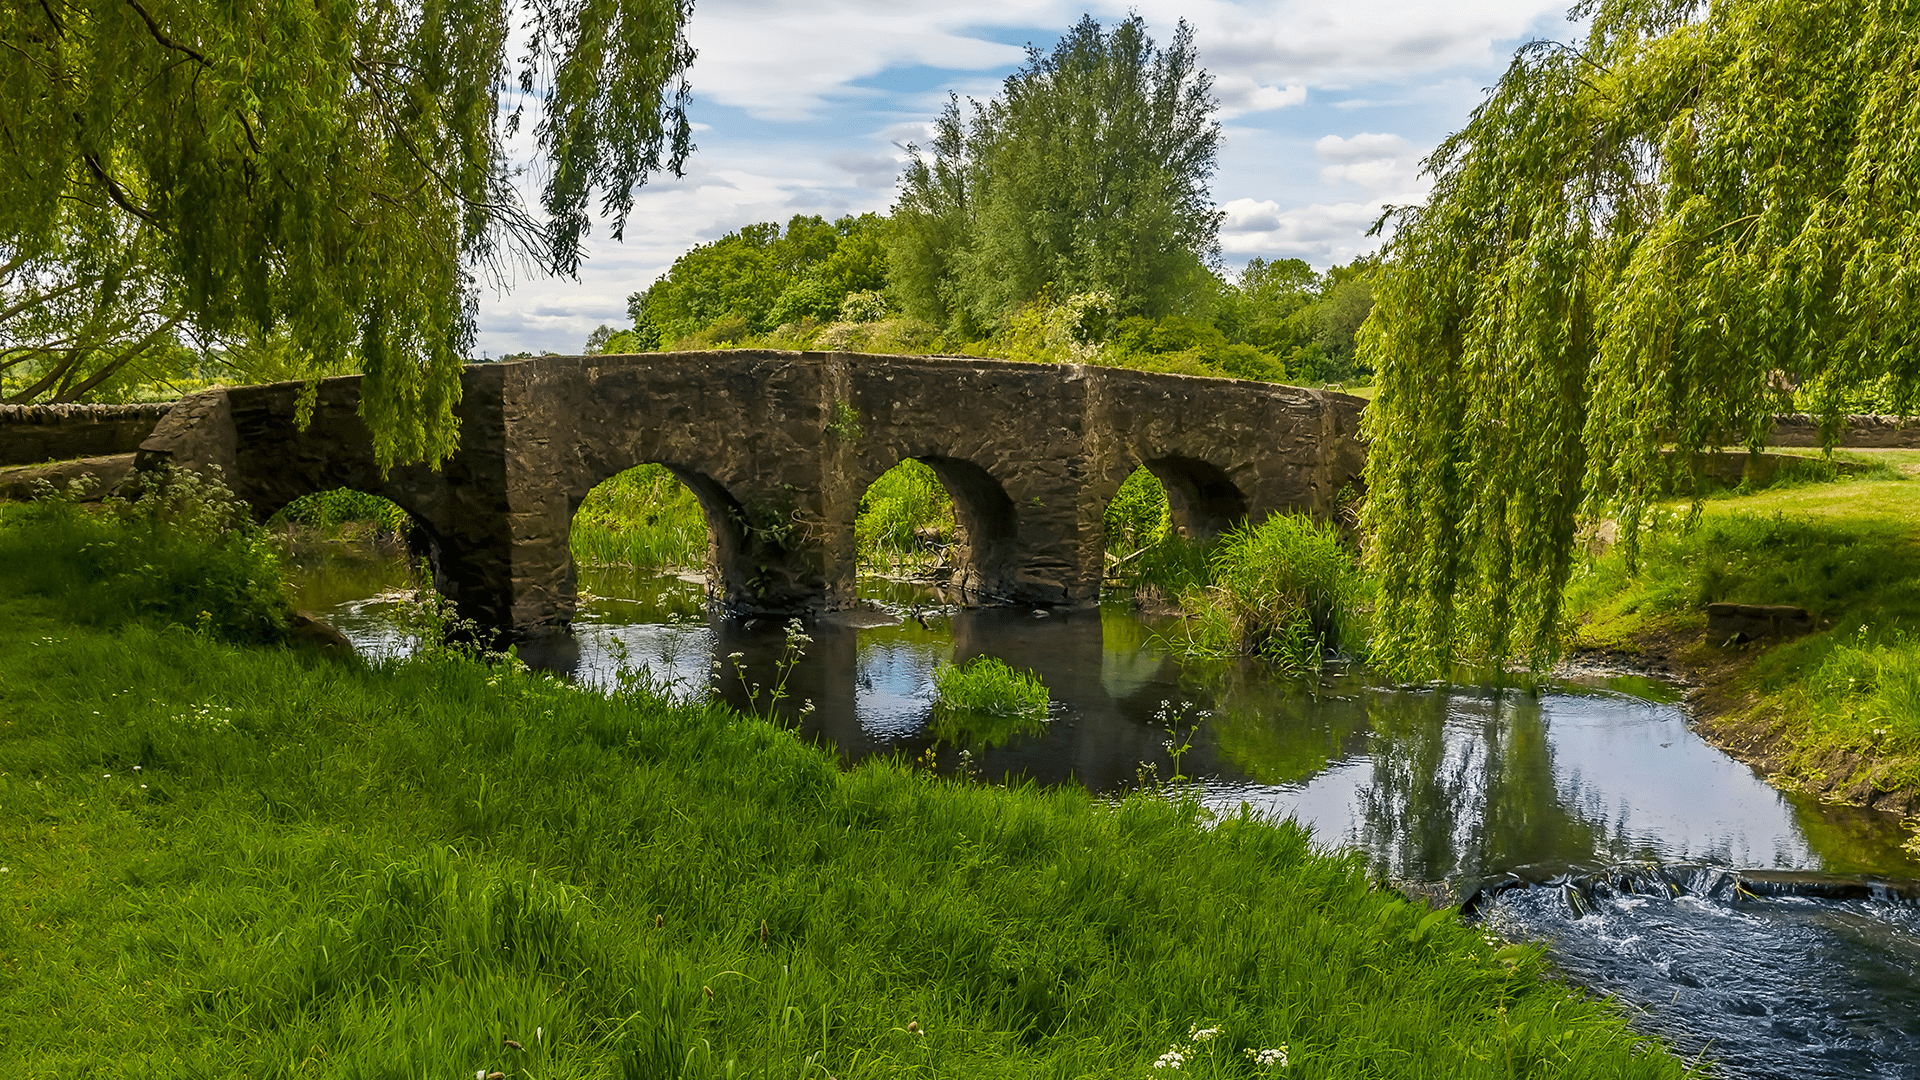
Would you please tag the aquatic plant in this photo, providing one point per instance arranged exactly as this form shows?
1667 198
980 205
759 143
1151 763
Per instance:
987 701
644 518
905 519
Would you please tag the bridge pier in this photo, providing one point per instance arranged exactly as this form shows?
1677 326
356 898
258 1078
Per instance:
779 447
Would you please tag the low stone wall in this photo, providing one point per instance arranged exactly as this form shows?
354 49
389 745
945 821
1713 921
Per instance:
21 482
31 434
1860 432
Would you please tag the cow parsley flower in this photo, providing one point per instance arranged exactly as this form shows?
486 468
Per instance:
1266 1059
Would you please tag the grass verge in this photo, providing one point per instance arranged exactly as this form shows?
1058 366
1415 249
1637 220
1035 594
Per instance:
236 860
1836 712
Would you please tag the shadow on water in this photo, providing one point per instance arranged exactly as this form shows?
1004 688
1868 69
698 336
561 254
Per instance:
1518 801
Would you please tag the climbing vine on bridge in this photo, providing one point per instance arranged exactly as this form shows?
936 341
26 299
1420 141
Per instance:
1634 245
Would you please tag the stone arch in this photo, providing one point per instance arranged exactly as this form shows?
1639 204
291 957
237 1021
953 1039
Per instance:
1202 499
737 562
986 526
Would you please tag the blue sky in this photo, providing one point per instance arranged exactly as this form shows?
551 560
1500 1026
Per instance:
801 107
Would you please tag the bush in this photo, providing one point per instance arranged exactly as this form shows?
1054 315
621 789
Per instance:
181 551
1143 552
332 510
906 504
1287 590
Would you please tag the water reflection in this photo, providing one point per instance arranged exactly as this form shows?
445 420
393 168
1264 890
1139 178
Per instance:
1453 784
1429 784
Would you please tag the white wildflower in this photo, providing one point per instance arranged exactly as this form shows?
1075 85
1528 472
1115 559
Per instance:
1203 1034
1172 1059
1266 1059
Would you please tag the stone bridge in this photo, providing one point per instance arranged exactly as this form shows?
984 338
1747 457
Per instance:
779 447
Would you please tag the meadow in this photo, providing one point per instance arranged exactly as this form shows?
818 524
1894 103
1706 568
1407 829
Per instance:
1838 708
227 857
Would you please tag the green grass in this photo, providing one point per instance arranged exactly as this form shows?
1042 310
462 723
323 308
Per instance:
1287 590
905 520
337 511
1849 553
234 860
643 517
985 702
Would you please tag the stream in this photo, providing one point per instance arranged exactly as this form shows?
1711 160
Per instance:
1766 932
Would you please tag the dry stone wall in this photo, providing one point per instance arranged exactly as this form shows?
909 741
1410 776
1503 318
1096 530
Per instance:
32 434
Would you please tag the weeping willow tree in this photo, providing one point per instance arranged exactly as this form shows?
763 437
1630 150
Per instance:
331 170
1632 248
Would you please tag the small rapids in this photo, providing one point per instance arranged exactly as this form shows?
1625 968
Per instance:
1766 973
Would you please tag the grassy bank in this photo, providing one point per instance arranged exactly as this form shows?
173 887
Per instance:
226 859
1837 711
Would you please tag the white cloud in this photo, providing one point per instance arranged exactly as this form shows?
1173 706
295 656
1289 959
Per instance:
832 89
1320 233
1317 44
1375 162
1240 95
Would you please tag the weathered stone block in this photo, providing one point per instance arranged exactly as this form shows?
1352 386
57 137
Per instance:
1741 623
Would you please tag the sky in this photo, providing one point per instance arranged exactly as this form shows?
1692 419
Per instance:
806 107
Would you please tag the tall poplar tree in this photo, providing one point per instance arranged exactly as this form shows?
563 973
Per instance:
1631 247
334 169
1089 172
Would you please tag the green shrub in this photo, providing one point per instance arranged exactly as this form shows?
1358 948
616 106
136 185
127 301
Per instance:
1287 589
182 550
331 510
905 504
984 700
1143 551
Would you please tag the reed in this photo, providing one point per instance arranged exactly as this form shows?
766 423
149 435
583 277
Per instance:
644 518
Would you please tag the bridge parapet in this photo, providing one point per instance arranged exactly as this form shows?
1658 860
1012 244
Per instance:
779 447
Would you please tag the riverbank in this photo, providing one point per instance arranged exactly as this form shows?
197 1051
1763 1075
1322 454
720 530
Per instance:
1834 712
235 859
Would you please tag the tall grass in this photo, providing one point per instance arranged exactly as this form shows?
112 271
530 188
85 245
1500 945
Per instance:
339 509
1286 589
236 861
986 702
1849 693
644 518
1145 555
182 551
905 520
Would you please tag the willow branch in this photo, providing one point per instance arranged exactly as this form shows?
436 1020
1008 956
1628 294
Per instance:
154 29
115 192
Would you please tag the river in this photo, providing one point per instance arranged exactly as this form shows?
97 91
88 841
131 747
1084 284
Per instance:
1767 932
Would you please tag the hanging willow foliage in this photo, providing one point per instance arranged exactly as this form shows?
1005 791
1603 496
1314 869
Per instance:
335 168
1632 247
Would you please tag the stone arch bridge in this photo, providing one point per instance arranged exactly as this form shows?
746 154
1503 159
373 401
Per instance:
779 447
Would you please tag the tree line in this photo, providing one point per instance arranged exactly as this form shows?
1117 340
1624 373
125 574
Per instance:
1068 218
